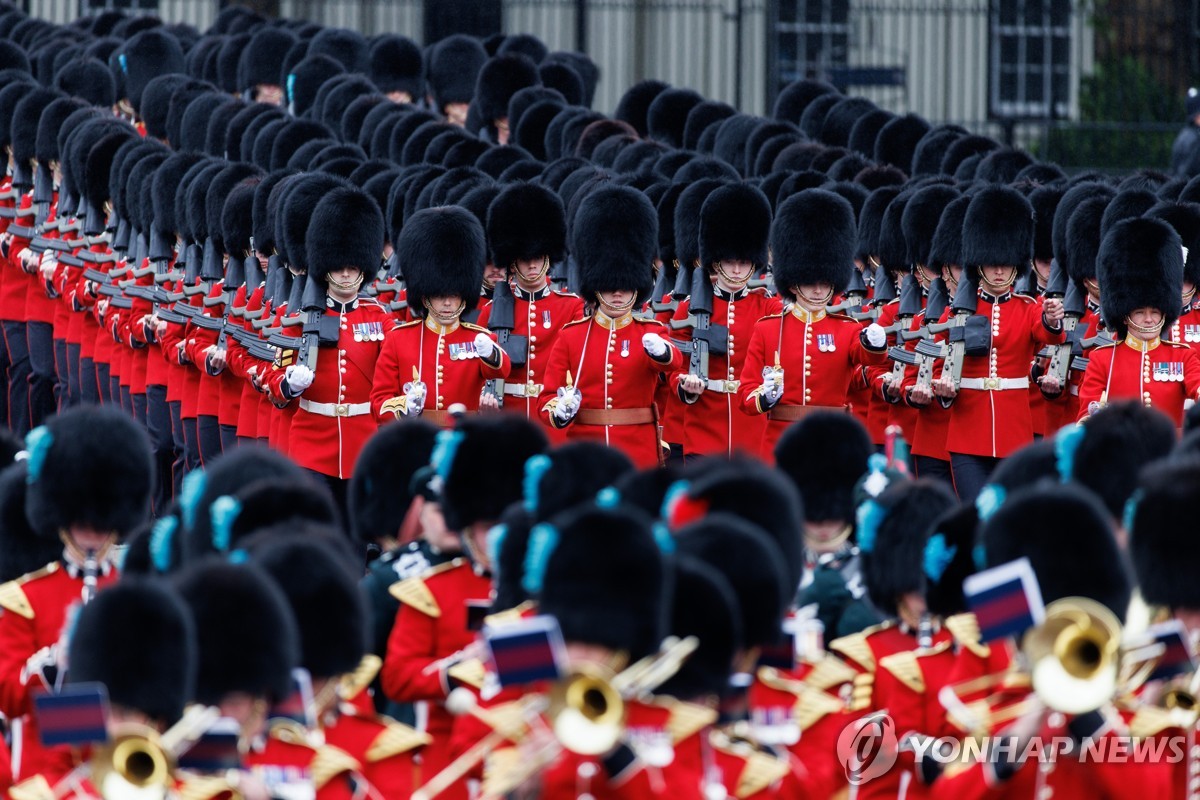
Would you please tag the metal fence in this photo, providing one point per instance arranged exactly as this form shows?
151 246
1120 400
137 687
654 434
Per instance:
1083 82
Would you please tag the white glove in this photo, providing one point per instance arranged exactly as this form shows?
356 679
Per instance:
655 345
484 346
772 385
298 378
42 667
414 398
568 404
876 336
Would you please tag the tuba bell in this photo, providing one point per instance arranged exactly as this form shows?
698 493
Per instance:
586 712
1075 655
133 764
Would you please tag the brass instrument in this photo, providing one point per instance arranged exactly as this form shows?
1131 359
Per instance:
587 714
139 763
1074 655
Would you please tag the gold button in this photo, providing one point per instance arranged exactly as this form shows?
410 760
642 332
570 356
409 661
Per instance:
440 398
807 372
532 307
532 338
608 380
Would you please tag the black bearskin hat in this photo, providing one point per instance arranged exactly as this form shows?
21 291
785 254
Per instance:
88 466
1163 551
441 252
454 65
359 241
813 240
396 65
499 79
1185 219
261 62
21 550
1117 442
1140 265
1077 560
147 55
526 221
998 230
245 631
898 140
482 465
894 563
380 490
614 239
920 220
1045 200
634 106
826 483
946 249
605 580
735 222
112 636
329 608
704 605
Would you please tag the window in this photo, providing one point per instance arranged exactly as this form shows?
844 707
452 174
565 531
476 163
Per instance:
813 37
1029 58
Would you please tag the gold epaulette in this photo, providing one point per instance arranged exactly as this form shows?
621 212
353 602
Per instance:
686 719
414 593
471 326
771 316
861 690
395 739
410 323
509 615
199 787
829 672
761 770
288 731
813 706
472 672
329 762
12 598
843 317
965 630
906 669
576 322
356 682
855 648
35 788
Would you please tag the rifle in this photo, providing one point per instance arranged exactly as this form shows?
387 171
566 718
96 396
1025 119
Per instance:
705 336
293 314
965 336
319 329
885 292
502 318
853 298
1074 306
666 278
910 307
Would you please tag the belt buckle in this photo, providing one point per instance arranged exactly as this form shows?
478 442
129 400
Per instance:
532 389
342 410
991 384
731 387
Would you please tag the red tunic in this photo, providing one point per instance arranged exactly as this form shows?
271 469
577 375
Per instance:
539 317
1162 377
818 358
333 417
431 625
995 422
611 370
34 613
713 424
443 358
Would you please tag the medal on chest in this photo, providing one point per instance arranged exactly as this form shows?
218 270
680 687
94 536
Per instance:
368 331
826 342
1191 334
1169 372
546 320
463 351
625 349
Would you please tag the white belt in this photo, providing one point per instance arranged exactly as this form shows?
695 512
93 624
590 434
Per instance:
994 384
1075 390
522 389
724 387
335 409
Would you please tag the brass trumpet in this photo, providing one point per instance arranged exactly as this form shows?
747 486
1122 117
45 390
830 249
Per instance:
134 763
587 713
1075 655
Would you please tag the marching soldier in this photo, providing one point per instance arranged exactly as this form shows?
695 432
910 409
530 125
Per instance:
333 420
527 231
88 483
437 361
1140 268
802 360
604 369
734 223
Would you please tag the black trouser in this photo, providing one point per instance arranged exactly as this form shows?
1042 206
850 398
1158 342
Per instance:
62 389
191 445
208 431
74 397
179 465
104 383
229 438
114 389
138 404
935 468
89 385
18 376
970 474
337 487
126 399
43 379
158 424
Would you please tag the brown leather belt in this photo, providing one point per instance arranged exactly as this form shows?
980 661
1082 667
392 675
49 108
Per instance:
794 413
615 416
442 419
